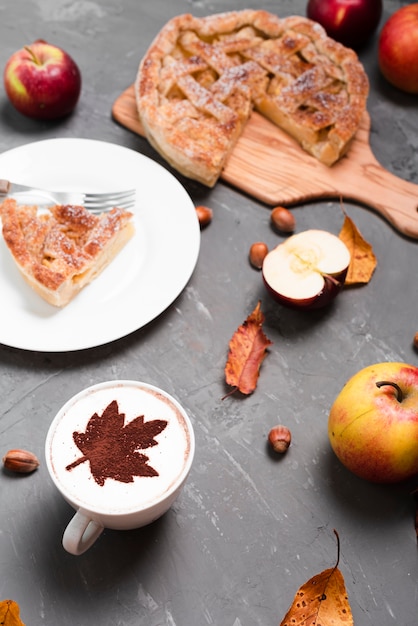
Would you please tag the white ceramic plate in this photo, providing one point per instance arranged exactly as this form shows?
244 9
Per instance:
139 284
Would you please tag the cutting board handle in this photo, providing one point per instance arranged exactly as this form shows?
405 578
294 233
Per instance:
269 165
371 184
281 173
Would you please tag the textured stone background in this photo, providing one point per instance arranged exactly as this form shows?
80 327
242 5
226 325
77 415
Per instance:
248 529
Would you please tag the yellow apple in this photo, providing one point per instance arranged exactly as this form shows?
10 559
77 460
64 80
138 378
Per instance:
373 423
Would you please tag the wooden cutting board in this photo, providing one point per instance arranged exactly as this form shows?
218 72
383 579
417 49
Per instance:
270 166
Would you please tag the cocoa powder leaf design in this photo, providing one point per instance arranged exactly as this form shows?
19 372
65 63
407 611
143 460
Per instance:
10 613
247 350
112 448
321 601
363 260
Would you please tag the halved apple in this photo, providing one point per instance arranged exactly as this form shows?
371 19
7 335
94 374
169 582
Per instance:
307 270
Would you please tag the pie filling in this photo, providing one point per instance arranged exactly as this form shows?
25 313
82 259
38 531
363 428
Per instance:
201 78
61 250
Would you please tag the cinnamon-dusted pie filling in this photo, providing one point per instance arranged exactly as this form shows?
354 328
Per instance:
60 250
201 77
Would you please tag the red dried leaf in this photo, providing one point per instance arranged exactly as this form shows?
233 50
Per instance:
9 613
107 438
247 349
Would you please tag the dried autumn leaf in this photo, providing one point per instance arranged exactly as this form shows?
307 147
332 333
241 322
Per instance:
9 613
107 436
247 349
363 261
321 601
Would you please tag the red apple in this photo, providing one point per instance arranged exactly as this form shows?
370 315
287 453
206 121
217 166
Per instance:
42 81
307 270
398 49
351 22
373 423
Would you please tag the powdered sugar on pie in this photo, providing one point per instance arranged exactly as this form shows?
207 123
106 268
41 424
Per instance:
201 78
60 250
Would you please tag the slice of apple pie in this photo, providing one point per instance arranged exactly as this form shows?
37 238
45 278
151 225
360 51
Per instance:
201 77
60 250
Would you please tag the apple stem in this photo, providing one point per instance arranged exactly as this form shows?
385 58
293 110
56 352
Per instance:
332 279
33 55
399 394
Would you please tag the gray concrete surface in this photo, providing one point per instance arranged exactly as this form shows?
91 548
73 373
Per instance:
249 528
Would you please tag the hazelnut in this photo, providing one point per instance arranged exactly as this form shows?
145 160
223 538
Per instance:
282 219
20 461
280 438
258 252
415 342
204 215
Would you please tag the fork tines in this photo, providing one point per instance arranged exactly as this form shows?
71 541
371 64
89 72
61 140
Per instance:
99 202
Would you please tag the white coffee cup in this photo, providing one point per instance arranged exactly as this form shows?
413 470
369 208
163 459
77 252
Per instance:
119 452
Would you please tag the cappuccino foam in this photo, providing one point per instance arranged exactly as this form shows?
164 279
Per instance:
106 490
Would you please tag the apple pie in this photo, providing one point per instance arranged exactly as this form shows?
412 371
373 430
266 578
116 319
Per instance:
201 77
61 249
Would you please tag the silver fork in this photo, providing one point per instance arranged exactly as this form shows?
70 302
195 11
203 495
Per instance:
94 202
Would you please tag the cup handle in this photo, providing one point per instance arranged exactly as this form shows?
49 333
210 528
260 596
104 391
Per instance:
81 533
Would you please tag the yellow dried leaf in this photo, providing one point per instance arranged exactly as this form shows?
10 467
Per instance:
9 613
322 601
363 261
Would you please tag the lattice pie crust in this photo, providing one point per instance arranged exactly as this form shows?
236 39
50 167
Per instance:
60 251
201 77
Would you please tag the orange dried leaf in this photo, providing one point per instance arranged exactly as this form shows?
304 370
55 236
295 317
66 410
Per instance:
322 601
363 261
247 349
9 613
